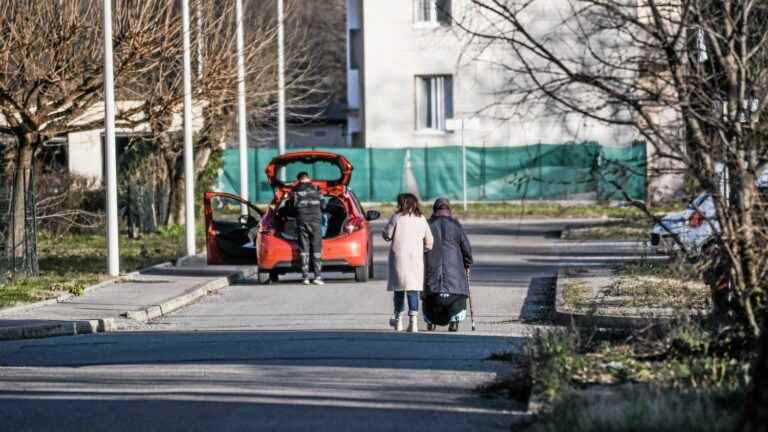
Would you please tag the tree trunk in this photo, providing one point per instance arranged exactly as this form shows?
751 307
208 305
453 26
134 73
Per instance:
23 165
754 417
175 210
201 160
176 203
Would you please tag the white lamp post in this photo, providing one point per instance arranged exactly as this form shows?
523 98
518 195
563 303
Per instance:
242 132
189 167
280 83
113 252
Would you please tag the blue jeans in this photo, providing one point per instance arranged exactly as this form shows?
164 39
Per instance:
413 301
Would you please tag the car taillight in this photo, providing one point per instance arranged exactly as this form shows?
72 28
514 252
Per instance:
354 225
696 220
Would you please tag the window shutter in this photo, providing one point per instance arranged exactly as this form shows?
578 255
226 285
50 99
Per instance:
443 11
448 92
439 103
422 103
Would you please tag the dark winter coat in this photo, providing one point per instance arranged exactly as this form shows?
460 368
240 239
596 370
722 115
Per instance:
451 254
308 202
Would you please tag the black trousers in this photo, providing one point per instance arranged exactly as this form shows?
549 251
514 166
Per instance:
310 236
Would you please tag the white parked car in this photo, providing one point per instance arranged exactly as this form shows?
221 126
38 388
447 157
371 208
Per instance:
696 226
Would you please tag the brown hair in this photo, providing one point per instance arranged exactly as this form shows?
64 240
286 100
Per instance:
408 204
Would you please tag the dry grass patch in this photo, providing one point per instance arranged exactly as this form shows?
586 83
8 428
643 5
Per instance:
577 294
657 292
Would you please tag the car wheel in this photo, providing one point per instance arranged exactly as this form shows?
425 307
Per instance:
265 278
274 276
361 273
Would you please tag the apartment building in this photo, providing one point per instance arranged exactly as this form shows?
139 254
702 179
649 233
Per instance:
409 74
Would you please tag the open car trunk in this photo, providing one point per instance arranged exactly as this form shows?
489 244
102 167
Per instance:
333 221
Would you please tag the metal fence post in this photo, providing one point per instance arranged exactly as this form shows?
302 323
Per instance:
369 157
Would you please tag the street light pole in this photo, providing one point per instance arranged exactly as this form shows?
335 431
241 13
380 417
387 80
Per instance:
189 167
113 252
242 132
281 83
463 165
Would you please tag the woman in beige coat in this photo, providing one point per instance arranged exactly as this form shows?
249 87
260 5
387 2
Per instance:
410 235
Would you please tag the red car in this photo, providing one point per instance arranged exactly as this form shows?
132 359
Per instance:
238 232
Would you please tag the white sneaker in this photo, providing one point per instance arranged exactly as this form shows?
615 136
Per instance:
413 324
397 322
318 281
306 282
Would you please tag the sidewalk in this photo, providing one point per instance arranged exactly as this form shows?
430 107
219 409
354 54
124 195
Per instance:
127 301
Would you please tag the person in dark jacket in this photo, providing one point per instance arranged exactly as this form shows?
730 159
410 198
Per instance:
446 266
307 202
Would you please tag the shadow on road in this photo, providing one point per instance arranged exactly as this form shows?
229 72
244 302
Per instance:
252 380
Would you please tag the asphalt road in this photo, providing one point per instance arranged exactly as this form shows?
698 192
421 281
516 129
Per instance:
289 357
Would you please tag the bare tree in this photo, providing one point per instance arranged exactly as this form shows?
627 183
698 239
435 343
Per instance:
689 76
326 25
215 84
51 72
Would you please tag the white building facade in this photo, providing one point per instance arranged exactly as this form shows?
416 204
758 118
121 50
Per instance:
409 73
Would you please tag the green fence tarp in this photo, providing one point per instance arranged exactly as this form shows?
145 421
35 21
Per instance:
567 171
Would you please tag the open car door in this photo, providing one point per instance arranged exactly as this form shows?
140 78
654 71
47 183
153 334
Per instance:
229 234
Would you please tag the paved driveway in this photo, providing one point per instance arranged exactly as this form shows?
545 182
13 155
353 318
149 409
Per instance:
289 357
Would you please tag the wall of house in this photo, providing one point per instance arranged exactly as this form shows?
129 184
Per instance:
86 156
397 50
316 136
355 74
301 136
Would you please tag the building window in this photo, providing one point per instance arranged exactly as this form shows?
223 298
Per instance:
434 102
432 12
355 49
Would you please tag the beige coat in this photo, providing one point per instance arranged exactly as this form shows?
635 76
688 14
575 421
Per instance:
410 237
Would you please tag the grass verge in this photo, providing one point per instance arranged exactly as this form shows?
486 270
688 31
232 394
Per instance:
686 376
534 210
642 409
73 262
636 287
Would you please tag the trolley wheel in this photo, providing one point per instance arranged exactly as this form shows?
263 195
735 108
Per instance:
265 278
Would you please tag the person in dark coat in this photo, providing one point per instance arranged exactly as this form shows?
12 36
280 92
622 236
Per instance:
446 265
308 204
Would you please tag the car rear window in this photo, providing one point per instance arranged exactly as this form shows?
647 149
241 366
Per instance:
320 170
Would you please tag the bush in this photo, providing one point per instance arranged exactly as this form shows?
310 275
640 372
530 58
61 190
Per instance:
68 203
642 409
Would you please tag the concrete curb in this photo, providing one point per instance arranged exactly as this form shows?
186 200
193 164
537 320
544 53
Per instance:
65 297
79 327
566 316
190 296
187 259
70 328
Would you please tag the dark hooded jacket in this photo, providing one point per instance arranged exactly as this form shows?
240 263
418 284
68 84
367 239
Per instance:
444 265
